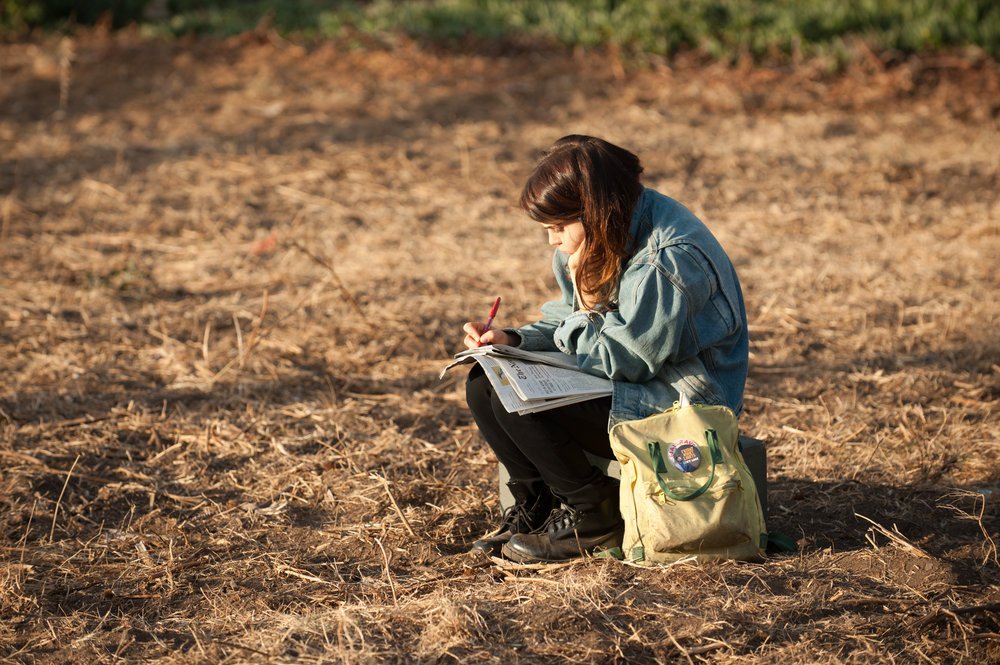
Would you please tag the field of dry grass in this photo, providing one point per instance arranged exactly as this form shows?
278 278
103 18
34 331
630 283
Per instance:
230 272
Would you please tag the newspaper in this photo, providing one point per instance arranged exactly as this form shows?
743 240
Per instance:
533 381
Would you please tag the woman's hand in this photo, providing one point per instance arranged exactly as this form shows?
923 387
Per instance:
477 335
574 261
573 264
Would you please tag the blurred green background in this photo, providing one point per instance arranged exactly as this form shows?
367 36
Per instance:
720 28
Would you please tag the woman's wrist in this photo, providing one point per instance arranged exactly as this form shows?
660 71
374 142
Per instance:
513 337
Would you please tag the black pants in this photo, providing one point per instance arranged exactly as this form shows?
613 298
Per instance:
549 445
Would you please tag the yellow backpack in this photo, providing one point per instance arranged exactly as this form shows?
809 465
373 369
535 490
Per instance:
685 490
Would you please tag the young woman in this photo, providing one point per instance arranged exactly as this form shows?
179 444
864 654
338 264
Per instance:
649 299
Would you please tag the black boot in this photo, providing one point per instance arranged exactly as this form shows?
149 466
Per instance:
588 520
532 504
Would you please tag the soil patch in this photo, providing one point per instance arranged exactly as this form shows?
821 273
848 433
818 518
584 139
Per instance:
232 271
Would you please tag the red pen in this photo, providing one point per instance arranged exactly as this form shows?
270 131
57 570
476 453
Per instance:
493 313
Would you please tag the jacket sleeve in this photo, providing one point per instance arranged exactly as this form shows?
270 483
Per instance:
655 306
538 336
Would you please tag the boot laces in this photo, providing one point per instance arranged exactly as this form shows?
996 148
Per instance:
564 517
516 518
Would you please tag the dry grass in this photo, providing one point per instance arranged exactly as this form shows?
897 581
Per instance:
231 272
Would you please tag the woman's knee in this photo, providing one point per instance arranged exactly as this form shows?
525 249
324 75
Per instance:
478 392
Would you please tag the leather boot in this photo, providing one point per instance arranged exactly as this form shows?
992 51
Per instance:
588 520
532 504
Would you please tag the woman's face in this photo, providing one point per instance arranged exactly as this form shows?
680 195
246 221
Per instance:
566 236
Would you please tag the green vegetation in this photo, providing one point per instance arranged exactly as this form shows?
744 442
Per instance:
722 28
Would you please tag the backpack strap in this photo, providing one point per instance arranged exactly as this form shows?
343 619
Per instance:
656 455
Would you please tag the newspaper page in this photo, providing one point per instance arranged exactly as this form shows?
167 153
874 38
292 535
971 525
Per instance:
534 381
554 358
501 386
498 376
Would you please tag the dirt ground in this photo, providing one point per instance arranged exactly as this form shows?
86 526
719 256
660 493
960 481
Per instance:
231 271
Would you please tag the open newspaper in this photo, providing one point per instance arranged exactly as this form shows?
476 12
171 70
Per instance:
532 381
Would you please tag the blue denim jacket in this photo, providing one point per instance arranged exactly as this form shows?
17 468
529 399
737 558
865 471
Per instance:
679 324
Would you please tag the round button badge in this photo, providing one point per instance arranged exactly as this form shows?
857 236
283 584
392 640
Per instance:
684 455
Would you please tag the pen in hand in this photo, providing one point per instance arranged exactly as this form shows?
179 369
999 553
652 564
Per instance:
489 321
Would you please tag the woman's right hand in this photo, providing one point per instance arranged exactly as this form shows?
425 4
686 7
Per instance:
477 335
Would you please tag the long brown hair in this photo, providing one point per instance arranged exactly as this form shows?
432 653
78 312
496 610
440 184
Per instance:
588 179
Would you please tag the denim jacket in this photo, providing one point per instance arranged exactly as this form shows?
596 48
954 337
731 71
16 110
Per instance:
678 324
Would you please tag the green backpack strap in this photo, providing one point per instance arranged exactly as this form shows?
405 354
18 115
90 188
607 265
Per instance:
656 455
610 553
